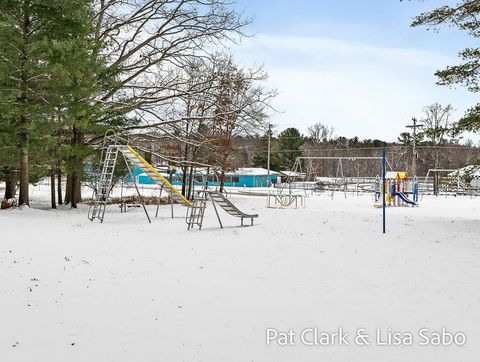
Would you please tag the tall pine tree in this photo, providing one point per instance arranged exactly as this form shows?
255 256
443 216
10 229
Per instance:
37 38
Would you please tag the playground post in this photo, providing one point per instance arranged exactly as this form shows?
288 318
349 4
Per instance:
384 170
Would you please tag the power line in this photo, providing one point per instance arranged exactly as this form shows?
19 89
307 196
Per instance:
389 148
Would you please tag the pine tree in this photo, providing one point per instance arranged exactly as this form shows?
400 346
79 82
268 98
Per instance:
290 141
51 72
260 159
37 38
463 16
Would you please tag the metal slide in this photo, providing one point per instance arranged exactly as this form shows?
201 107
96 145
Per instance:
135 158
224 203
405 198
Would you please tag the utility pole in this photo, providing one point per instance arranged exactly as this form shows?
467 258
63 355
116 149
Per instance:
414 126
268 155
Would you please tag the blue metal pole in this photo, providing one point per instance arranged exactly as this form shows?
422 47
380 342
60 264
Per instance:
384 170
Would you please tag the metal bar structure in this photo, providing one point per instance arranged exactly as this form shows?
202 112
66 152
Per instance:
195 209
384 203
103 184
171 160
136 188
171 202
159 199
384 162
337 158
437 171
112 146
196 213
216 211
297 166
285 200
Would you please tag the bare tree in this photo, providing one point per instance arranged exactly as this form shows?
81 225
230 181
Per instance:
241 107
319 134
220 103
146 45
436 131
437 125
148 41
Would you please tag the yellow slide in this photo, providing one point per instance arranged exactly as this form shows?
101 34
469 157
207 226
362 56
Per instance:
134 157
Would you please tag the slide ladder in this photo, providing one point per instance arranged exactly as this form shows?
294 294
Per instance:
104 184
196 212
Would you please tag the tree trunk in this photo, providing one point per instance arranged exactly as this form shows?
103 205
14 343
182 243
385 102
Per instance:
59 186
52 189
75 179
23 198
76 191
184 181
222 180
68 188
9 183
23 143
170 179
191 180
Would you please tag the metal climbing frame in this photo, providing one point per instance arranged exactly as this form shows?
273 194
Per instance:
284 200
113 145
196 212
104 183
435 187
340 179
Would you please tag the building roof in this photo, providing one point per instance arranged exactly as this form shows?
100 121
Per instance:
291 174
396 174
252 171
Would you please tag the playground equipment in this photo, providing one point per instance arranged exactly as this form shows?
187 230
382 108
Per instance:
340 182
285 200
451 183
380 161
195 214
398 187
113 147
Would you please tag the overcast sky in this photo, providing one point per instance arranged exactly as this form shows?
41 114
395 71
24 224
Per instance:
355 65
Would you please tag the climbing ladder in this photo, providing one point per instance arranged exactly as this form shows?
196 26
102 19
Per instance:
104 183
196 212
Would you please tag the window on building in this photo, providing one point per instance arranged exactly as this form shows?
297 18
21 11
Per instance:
232 179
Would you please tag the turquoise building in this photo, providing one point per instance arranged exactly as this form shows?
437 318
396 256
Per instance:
243 177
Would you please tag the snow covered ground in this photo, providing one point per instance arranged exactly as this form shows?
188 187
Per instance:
125 290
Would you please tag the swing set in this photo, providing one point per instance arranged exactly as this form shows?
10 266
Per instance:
340 182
